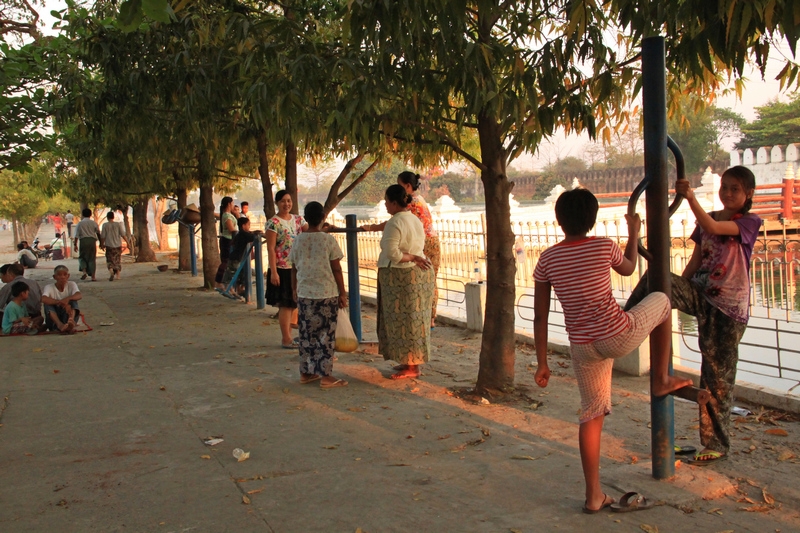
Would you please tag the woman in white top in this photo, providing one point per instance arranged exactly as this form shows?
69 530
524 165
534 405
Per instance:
227 227
405 288
318 286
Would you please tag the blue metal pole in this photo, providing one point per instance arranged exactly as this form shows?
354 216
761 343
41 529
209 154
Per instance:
654 113
353 286
261 302
193 248
248 276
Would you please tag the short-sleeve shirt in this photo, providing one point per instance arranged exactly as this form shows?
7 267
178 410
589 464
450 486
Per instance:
223 232
724 272
12 313
69 217
580 274
51 291
286 231
26 253
311 255
34 301
419 207
112 234
86 228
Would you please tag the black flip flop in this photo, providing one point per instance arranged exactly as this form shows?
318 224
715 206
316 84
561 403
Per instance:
631 501
685 450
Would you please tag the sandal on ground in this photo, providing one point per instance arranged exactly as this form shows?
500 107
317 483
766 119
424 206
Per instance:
85 275
292 346
685 450
631 501
405 374
400 367
310 378
607 502
706 457
333 385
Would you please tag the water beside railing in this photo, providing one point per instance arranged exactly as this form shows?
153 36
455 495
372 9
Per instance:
768 354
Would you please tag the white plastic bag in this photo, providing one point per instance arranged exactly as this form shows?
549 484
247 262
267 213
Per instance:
346 340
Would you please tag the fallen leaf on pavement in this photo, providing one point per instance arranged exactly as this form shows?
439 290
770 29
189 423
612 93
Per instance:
525 457
255 491
205 457
230 395
648 528
767 496
785 455
777 431
757 509
245 500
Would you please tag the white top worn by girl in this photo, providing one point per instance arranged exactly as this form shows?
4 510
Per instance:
311 255
403 233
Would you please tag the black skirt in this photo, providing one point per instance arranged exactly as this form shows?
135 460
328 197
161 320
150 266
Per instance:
281 296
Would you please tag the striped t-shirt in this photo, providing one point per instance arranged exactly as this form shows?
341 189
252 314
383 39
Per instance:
580 275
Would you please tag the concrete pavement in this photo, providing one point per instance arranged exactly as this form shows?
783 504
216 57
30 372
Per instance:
105 431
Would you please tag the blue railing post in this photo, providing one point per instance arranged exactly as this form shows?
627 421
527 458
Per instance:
353 286
248 274
260 298
193 248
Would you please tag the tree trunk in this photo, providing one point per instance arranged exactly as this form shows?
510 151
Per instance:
159 206
15 231
208 230
145 253
127 222
291 175
263 172
496 370
184 245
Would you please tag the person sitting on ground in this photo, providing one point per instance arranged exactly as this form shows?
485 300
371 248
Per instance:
25 257
60 301
238 246
318 288
11 275
111 240
57 246
15 316
579 270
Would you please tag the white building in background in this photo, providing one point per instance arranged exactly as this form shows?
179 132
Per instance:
768 163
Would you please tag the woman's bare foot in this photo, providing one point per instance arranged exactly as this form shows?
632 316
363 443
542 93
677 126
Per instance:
67 328
669 384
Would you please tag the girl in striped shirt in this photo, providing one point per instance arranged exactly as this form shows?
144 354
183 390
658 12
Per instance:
578 269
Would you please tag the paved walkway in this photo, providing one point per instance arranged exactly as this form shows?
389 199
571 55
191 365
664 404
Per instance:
105 431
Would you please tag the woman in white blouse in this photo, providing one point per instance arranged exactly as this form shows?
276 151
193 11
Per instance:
405 288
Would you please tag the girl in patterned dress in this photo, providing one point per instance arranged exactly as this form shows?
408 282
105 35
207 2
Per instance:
715 288
280 232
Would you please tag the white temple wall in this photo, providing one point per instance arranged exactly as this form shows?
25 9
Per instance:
768 163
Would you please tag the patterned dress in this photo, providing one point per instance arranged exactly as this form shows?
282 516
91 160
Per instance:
286 231
432 248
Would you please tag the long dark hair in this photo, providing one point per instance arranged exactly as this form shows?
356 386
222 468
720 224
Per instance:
747 180
397 194
409 178
227 200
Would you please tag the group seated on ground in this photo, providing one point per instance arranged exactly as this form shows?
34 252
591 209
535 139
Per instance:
21 302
